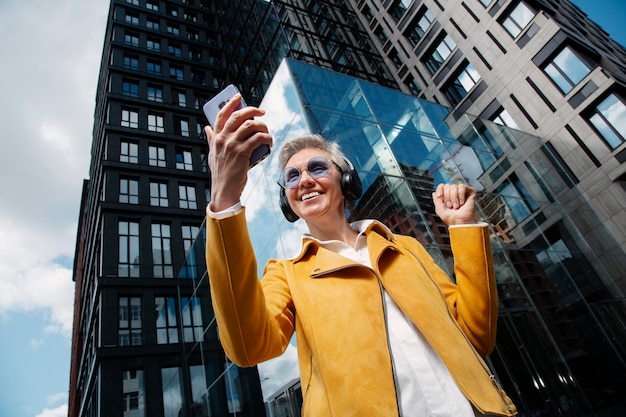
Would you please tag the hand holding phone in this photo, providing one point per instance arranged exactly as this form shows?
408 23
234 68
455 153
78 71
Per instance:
213 106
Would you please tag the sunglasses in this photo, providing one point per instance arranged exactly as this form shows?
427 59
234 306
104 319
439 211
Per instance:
317 167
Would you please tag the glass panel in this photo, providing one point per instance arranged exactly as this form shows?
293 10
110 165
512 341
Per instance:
133 394
172 394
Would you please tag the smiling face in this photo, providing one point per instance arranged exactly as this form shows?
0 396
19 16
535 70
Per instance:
316 199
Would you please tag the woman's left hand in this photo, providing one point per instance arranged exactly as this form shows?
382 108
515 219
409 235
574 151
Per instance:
455 203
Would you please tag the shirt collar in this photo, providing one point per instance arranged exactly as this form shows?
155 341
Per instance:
363 227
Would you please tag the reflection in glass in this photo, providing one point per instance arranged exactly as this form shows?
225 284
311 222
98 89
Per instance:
133 398
172 393
567 70
610 120
233 388
192 319
199 391
517 20
128 263
167 332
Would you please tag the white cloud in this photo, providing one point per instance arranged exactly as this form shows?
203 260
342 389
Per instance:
59 397
60 411
30 280
52 51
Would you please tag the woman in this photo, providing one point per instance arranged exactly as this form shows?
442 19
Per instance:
381 329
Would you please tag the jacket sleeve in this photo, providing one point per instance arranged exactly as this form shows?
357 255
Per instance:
473 299
255 324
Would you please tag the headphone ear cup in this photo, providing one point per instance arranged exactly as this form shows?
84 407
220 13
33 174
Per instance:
351 185
283 202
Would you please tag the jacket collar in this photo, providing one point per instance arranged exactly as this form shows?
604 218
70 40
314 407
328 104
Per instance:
367 227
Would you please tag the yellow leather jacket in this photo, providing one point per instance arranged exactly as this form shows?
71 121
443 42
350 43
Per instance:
335 306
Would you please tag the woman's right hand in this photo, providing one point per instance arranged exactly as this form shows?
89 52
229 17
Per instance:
232 140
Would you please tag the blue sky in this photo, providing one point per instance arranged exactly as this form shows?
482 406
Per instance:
51 55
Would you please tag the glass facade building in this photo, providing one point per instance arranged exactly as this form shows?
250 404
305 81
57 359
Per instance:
560 350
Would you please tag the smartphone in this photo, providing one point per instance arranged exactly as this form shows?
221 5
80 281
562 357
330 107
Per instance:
213 106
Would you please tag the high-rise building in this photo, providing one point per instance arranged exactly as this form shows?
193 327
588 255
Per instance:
552 187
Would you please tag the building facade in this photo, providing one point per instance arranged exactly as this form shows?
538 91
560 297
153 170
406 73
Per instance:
559 349
144 339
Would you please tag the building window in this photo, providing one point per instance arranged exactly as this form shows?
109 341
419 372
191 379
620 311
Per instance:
153 45
133 397
128 263
504 119
155 123
166 321
441 52
609 119
195 54
418 27
204 162
193 35
172 392
129 152
518 19
197 76
462 84
155 93
183 160
181 127
130 88
129 191
132 18
175 49
179 98
161 251
133 2
173 30
152 6
176 72
130 328
187 197
398 8
190 16
131 39
152 24
413 86
156 156
131 62
130 118
381 35
158 194
189 269
517 198
153 67
567 70
395 58
485 2
192 319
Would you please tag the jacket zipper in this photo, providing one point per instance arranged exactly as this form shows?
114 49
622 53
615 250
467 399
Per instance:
505 398
393 364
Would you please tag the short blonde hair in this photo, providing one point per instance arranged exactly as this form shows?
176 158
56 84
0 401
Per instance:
313 141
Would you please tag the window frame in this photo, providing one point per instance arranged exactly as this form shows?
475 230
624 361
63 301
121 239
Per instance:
611 133
511 24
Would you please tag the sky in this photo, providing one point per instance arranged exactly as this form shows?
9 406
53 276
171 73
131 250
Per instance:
50 61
